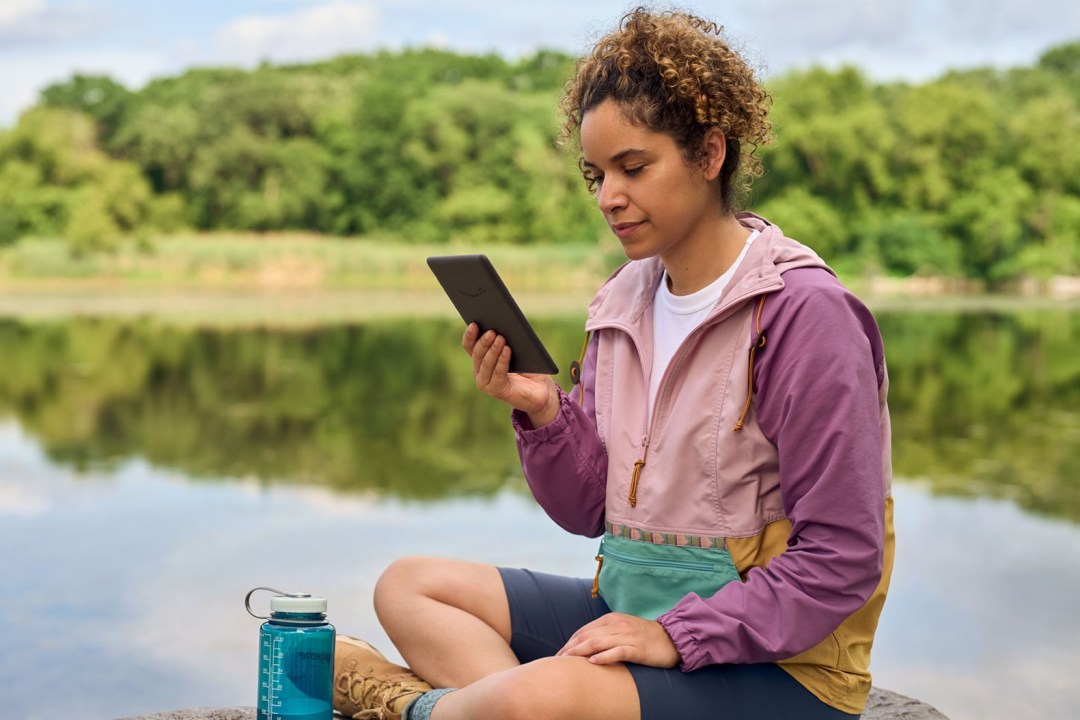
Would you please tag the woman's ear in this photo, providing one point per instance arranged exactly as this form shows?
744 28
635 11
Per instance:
713 153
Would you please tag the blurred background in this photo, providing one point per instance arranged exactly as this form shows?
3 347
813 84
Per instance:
224 363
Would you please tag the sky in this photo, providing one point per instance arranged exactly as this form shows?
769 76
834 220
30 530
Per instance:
133 41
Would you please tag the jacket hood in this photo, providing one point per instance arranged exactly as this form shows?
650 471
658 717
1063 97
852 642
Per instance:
633 285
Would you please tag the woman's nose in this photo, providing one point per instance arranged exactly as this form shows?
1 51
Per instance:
610 196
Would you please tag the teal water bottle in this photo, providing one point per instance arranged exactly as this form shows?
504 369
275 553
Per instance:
296 658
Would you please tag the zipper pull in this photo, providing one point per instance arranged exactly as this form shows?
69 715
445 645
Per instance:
634 482
596 578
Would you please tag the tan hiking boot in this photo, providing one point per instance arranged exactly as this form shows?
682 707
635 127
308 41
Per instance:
367 686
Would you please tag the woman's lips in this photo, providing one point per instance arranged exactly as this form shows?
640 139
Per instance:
624 230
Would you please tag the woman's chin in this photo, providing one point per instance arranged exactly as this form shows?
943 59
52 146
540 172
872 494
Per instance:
636 250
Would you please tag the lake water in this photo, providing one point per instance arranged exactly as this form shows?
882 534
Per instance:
151 474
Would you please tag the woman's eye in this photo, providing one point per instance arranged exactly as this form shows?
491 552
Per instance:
636 170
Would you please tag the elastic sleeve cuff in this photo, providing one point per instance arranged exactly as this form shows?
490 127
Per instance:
685 642
529 435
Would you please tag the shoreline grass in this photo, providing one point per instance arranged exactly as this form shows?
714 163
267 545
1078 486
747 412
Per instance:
303 278
290 260
279 279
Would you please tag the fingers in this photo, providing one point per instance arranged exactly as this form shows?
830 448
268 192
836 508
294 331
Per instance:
469 337
530 393
490 359
604 651
600 636
622 638
618 654
487 355
594 649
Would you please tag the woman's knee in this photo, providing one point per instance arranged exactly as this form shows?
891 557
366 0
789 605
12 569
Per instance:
473 587
543 688
559 687
404 577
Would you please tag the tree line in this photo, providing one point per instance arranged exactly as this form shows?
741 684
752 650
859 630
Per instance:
975 174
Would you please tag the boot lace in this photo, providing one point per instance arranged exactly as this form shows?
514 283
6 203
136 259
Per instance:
374 694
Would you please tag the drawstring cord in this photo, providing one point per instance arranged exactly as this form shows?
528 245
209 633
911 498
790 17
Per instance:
638 464
758 343
596 578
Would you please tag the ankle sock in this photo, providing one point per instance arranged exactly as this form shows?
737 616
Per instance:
420 708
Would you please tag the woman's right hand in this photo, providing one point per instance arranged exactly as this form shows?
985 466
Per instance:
532 393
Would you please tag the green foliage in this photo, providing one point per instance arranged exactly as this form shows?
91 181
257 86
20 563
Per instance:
1044 132
971 175
909 244
98 96
1057 222
988 219
56 180
1063 60
974 174
489 164
809 217
458 152
829 139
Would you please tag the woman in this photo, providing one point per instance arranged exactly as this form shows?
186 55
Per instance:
728 437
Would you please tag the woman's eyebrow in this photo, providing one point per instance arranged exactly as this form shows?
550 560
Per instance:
618 157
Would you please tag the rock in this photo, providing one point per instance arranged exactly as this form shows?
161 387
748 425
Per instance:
887 705
235 713
882 705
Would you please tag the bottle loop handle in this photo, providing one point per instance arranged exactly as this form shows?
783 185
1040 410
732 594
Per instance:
247 599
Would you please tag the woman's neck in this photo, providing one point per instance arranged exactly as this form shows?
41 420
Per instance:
700 260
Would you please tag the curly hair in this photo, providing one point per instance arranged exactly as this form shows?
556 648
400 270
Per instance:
673 73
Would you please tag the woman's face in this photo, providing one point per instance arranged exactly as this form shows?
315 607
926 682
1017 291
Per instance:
653 200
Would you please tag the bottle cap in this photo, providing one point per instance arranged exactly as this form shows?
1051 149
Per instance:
294 604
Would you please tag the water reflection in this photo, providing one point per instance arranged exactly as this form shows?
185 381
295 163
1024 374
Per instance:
988 405
123 589
151 474
983 404
388 406
981 615
126 591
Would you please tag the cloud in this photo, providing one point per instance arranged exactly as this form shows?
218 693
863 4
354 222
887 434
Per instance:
30 23
308 33
915 39
23 79
15 13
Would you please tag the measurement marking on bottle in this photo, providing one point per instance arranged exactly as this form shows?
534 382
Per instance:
273 680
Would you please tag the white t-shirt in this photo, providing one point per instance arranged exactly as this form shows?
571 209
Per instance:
676 316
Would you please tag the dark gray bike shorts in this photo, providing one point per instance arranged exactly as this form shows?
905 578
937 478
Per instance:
545 610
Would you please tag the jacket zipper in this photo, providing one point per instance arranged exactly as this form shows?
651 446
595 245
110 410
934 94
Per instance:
665 393
680 564
675 564
676 362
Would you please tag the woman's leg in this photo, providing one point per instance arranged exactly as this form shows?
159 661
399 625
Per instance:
449 619
553 688
427 604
